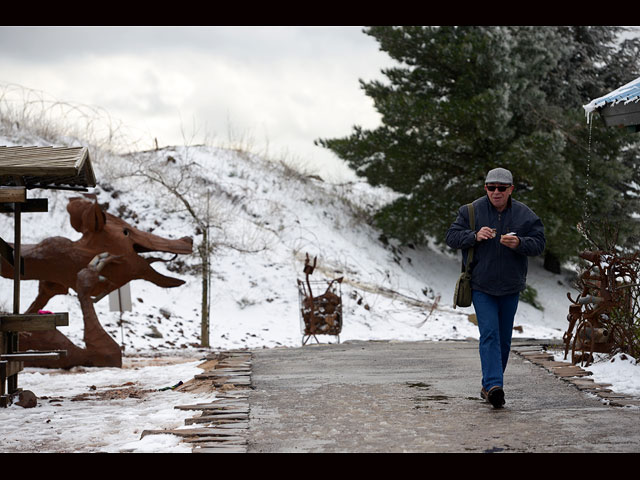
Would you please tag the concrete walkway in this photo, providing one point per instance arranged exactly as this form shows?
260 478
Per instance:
421 397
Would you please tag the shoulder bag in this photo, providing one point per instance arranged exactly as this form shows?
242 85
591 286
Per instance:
462 293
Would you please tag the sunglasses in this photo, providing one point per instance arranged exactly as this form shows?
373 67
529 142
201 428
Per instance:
501 188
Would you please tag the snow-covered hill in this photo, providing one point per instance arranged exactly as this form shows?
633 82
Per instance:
266 217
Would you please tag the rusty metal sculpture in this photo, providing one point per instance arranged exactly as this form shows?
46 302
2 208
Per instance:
105 258
605 312
322 314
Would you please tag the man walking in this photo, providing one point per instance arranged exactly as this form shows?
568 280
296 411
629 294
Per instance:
506 233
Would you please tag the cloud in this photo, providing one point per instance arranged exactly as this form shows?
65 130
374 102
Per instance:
284 85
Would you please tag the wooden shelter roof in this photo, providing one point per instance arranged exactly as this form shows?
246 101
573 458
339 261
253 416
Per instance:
629 93
46 167
620 107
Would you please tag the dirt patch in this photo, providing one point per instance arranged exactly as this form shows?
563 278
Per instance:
198 385
139 362
127 390
130 390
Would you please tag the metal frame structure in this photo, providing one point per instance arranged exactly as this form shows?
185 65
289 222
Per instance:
322 314
22 169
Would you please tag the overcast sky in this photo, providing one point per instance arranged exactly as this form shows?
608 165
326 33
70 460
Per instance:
285 86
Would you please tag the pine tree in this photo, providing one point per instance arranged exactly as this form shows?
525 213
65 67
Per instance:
463 100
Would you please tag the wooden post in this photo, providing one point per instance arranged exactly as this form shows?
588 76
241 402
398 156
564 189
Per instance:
121 325
12 337
17 263
4 399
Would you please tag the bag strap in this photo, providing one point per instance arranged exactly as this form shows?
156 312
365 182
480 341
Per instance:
472 224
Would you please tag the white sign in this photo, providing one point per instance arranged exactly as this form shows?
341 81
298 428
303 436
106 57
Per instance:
120 299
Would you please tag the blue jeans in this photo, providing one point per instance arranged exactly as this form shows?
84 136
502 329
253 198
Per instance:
495 321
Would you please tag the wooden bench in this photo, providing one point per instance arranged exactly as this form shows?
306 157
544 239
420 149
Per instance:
33 322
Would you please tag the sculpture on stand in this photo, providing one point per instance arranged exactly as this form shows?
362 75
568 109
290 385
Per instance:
604 316
105 258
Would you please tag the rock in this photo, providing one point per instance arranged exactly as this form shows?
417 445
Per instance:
154 332
27 399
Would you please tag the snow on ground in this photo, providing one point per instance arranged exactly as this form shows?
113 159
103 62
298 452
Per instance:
620 370
100 409
262 207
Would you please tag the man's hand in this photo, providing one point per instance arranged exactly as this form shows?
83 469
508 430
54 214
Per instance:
510 241
485 233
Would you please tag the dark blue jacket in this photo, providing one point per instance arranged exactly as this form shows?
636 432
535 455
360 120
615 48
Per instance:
495 268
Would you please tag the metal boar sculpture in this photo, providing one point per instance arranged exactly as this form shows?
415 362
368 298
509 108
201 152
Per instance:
105 258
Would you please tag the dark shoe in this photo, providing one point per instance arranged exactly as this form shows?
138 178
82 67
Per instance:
495 396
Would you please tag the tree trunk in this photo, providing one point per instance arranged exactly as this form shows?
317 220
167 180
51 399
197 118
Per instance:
204 322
